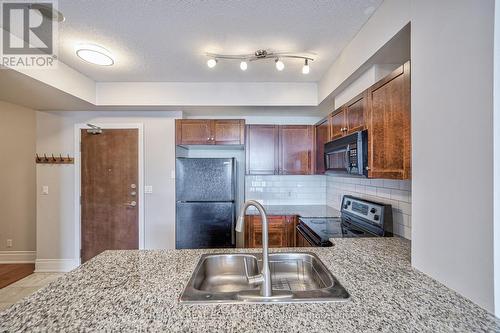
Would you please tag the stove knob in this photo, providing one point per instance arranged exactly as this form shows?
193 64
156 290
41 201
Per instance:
376 217
345 206
348 202
373 210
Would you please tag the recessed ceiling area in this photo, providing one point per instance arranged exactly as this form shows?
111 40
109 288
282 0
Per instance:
171 41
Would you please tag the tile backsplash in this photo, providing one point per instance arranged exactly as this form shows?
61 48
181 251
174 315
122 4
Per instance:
397 193
286 190
321 190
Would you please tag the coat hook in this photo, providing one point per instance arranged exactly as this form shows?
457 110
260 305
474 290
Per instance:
53 158
37 157
45 157
61 158
69 158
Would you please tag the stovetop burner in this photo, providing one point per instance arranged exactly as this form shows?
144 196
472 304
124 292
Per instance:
359 218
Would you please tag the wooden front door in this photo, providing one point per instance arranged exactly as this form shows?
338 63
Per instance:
109 191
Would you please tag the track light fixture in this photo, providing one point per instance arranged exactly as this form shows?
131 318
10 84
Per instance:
305 68
262 55
211 62
279 64
243 65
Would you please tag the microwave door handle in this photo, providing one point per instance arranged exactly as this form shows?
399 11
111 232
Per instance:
346 158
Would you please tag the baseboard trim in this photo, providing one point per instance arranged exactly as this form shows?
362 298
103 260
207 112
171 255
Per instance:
55 265
17 257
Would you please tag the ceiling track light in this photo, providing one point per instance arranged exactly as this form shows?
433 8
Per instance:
262 55
279 64
243 65
211 62
306 69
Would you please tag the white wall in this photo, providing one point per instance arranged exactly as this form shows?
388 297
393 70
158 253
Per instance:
452 128
207 93
56 226
496 126
390 17
17 179
363 82
273 120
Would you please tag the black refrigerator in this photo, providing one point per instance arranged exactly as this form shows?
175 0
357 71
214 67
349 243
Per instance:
205 207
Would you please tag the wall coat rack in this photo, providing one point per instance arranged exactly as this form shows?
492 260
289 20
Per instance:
54 159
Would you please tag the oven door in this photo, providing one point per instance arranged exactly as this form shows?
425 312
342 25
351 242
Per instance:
304 239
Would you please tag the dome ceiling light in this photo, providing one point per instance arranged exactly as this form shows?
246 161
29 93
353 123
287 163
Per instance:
94 54
244 59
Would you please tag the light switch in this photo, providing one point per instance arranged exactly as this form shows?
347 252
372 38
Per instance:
148 189
45 190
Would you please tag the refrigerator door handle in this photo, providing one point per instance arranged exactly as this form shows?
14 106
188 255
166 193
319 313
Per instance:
233 232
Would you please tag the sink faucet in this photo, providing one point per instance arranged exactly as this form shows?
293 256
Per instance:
264 278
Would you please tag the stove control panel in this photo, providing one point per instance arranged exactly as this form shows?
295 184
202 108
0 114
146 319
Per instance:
365 209
373 216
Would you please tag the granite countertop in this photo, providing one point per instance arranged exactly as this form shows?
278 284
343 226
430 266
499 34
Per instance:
139 291
300 210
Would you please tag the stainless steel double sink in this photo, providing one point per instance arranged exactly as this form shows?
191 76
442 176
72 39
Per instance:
296 277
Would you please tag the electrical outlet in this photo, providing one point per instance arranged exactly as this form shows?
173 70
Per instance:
45 190
9 242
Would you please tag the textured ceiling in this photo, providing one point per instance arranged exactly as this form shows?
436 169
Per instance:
155 40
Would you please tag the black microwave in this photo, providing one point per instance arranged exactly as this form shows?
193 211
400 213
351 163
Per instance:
348 155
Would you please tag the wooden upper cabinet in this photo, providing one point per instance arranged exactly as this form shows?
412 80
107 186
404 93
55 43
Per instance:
389 138
355 118
262 149
295 150
229 132
209 132
273 150
337 123
349 118
321 136
193 132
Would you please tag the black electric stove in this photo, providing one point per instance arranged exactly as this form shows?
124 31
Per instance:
359 218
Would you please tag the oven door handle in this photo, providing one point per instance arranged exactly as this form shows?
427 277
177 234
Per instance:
306 236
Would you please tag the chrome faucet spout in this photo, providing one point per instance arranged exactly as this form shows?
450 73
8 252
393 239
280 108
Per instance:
264 278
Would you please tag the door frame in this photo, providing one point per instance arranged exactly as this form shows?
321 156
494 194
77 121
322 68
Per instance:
78 178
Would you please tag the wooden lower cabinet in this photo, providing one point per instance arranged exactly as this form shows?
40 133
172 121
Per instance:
282 232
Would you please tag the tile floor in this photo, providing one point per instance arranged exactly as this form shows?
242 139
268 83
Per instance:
25 287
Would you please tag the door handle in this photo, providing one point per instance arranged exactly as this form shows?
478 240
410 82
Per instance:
346 158
131 204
